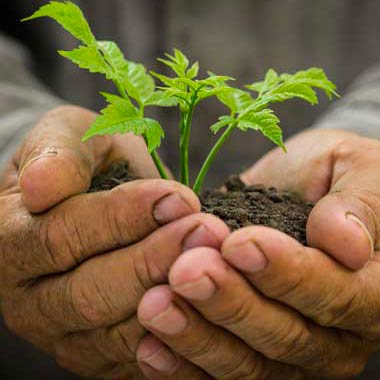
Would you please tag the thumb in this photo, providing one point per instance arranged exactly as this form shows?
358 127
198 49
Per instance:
54 164
344 222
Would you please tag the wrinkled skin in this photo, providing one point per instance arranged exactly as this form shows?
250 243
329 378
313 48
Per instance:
265 307
76 268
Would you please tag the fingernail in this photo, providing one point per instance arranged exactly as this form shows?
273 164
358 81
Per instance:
353 218
200 290
247 257
171 208
172 321
159 358
200 237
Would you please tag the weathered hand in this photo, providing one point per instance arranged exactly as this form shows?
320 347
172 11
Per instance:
206 342
233 331
71 276
295 312
339 171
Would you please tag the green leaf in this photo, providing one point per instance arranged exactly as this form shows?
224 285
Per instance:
301 85
185 83
274 133
223 122
170 82
179 63
266 122
115 118
121 117
70 17
181 58
210 92
134 77
153 134
236 100
115 59
117 101
161 99
293 90
271 80
89 58
216 80
139 84
193 71
317 78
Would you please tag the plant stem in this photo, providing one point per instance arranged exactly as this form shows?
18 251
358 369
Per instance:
156 158
185 142
159 165
211 157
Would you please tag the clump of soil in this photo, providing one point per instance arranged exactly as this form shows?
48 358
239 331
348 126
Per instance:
238 205
116 175
242 206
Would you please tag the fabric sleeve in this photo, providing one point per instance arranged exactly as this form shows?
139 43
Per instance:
359 110
23 99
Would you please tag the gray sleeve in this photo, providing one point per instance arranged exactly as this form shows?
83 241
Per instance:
23 99
359 110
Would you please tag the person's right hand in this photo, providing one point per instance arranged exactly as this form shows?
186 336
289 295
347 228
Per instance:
74 266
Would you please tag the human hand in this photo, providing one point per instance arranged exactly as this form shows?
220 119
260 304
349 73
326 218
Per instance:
339 171
71 276
296 316
211 323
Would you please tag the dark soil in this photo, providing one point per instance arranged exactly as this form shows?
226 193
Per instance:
242 206
239 206
116 175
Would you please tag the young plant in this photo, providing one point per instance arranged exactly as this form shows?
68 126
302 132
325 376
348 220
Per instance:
137 90
125 112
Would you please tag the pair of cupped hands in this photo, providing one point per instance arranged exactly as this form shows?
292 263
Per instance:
136 283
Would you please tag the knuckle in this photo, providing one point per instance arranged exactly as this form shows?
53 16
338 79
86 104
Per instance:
122 344
88 300
124 221
16 242
291 344
333 312
287 287
340 309
240 315
248 367
124 339
61 241
256 367
210 343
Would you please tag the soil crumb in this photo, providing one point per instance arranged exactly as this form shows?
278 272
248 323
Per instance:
238 205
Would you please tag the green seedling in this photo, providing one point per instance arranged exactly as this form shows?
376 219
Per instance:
248 109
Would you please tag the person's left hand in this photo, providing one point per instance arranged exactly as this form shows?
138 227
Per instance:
310 315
